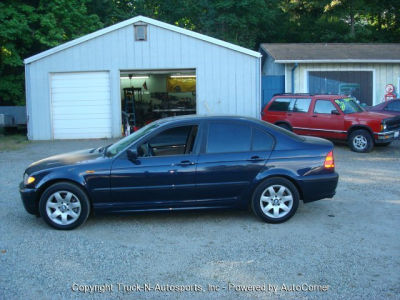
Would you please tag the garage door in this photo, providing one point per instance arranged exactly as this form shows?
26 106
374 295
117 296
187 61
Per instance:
81 106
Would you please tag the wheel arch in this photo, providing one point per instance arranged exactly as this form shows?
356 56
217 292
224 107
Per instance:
53 181
277 175
357 127
277 123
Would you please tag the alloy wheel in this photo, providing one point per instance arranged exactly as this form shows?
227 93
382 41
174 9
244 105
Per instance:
63 207
276 201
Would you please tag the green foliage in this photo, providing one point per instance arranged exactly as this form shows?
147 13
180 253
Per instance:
28 27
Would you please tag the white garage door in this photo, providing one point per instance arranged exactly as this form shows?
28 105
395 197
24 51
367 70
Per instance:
81 106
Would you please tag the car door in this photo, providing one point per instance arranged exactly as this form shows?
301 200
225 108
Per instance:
299 115
163 175
327 120
232 154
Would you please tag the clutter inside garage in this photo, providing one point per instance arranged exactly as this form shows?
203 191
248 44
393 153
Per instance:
148 96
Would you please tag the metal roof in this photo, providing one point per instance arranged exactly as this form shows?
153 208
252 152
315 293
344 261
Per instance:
333 52
145 20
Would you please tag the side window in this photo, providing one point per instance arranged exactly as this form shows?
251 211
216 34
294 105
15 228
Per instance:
281 104
393 106
323 107
174 141
302 105
228 137
261 141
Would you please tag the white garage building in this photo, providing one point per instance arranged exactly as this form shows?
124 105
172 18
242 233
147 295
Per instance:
133 72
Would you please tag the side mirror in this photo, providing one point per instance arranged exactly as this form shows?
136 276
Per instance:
335 112
132 154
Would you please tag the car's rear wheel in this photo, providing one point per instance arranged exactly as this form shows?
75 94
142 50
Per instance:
275 200
64 205
361 141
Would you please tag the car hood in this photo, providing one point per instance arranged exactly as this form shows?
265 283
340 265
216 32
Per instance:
370 115
66 159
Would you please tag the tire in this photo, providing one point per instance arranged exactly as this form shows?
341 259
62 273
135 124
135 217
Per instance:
361 141
64 206
383 144
284 126
281 209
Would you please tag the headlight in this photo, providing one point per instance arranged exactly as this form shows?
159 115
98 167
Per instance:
383 127
28 179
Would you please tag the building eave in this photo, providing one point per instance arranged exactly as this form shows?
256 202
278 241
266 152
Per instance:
145 20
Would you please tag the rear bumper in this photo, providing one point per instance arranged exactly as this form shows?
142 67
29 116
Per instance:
28 197
318 187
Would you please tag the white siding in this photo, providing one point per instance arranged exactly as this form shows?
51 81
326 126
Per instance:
228 81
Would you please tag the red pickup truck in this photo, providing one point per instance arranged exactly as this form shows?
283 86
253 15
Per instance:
336 117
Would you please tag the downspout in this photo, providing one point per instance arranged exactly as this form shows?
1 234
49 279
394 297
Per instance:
293 69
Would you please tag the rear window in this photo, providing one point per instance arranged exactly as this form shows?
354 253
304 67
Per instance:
228 137
281 104
302 105
261 141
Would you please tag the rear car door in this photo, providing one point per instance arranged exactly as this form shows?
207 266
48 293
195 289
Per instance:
232 154
299 116
324 122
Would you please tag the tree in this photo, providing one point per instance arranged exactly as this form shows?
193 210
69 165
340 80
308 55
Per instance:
29 27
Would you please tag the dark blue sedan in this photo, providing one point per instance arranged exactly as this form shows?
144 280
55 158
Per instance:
184 163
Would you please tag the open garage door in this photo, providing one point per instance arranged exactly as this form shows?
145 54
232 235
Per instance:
81 106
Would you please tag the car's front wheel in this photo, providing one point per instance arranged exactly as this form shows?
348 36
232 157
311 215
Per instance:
275 200
361 141
64 205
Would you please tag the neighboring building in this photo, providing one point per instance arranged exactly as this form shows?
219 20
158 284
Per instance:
361 70
134 72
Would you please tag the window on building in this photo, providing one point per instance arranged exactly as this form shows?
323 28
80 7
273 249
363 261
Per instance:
358 84
140 32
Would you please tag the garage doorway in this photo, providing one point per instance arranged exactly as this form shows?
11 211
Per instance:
147 96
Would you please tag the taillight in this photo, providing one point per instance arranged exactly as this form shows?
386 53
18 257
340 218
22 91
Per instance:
329 161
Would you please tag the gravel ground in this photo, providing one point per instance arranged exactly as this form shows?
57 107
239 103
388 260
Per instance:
349 243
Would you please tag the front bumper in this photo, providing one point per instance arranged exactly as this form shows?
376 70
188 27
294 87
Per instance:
317 187
387 136
29 199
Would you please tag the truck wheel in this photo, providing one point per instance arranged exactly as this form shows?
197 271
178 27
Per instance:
361 141
275 200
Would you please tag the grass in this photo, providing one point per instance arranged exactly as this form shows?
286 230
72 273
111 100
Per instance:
12 142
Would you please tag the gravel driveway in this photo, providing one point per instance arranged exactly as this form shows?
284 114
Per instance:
349 245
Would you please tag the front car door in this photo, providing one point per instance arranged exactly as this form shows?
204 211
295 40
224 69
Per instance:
327 120
163 175
232 154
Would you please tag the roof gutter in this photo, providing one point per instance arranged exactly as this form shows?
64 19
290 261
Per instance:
293 69
318 61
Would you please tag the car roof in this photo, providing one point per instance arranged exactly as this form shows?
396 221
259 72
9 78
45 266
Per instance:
305 95
207 117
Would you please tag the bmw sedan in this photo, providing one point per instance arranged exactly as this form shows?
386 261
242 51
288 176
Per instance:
184 163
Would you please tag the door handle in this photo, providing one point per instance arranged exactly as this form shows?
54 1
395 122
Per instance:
255 158
289 114
314 116
186 163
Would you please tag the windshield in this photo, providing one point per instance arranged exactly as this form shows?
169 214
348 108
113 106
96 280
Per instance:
349 105
117 147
